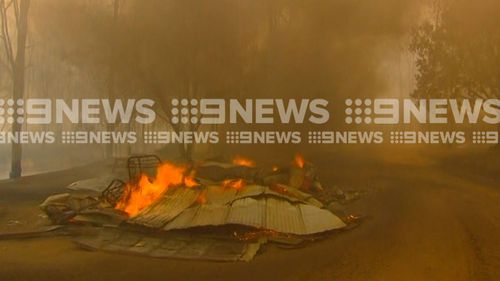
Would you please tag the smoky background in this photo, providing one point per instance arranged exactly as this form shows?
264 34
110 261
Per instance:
164 49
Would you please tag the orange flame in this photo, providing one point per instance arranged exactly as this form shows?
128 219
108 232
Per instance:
242 161
233 183
299 160
202 198
189 181
139 196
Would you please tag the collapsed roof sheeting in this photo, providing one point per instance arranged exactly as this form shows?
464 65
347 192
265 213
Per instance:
222 199
217 195
169 246
266 213
253 205
215 171
173 202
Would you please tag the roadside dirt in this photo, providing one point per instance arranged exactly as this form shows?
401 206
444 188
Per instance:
427 220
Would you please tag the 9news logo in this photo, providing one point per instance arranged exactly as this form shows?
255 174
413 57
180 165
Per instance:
249 111
424 111
182 111
11 111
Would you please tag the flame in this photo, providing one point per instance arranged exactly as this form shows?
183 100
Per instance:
233 183
299 161
189 181
138 196
280 188
242 161
276 168
202 198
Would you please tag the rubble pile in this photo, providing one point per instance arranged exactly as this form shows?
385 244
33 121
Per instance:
210 210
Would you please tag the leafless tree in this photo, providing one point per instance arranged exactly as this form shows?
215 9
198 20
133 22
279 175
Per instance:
14 44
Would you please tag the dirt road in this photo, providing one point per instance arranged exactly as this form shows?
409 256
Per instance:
426 221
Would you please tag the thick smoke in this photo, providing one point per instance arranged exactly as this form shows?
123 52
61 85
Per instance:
219 48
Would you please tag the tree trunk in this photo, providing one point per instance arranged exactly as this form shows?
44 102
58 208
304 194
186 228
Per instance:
497 146
18 83
189 152
111 72
182 151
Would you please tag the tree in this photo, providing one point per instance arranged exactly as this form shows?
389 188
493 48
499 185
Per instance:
112 68
458 51
16 62
165 49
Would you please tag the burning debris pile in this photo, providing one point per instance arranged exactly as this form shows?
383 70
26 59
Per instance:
210 210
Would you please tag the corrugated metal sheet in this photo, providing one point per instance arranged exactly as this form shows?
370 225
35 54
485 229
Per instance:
194 247
319 220
295 195
284 217
210 215
218 195
252 191
168 207
183 220
255 206
202 215
248 211
267 213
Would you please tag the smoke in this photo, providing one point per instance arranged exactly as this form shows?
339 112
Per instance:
219 48
243 48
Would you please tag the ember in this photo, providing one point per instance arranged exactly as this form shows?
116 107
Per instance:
241 161
255 235
202 198
299 160
234 183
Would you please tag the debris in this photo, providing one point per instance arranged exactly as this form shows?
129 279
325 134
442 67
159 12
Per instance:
173 202
43 231
354 220
337 208
255 206
13 222
79 207
251 250
159 214
171 245
92 185
218 172
142 165
335 194
62 207
266 213
100 216
113 192
288 242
